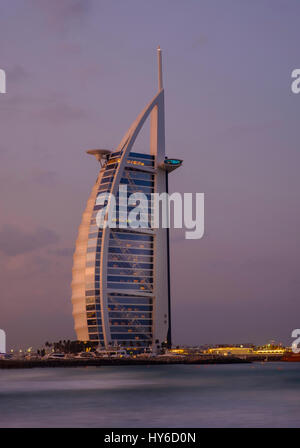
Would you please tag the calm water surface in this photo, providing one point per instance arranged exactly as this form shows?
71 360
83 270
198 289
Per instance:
250 395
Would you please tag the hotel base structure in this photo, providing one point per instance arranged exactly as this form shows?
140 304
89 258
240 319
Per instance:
121 276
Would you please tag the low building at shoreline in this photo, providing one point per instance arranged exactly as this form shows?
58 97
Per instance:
226 351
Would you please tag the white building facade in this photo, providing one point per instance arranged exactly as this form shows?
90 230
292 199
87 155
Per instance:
121 276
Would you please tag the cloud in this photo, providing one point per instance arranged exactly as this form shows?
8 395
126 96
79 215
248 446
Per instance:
17 73
60 112
241 129
199 42
59 13
14 241
50 107
44 178
64 252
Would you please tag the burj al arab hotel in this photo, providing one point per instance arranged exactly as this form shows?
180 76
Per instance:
121 276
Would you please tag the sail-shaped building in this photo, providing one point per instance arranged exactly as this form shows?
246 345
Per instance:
121 276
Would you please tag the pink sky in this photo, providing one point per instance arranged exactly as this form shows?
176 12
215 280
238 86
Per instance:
78 73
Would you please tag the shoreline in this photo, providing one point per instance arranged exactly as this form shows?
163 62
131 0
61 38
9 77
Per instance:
99 362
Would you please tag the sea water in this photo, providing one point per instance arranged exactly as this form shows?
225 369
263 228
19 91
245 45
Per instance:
233 395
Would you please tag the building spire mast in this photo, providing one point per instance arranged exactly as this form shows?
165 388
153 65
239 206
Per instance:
159 60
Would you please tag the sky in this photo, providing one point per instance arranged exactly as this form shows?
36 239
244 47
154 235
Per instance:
78 74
